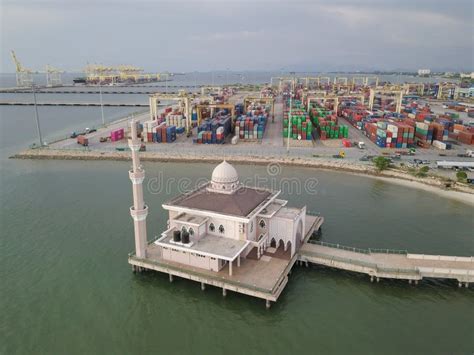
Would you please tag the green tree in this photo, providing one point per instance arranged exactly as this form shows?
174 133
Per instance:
422 172
461 176
381 163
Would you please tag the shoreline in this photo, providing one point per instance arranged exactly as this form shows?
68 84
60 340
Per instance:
431 184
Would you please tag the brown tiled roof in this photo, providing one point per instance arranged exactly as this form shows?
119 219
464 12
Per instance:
241 203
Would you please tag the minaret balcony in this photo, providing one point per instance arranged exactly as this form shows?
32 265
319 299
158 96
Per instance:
139 215
134 144
137 177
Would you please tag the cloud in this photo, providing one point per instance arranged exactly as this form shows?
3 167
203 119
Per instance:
227 36
193 35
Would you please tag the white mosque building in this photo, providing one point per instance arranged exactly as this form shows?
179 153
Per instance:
224 222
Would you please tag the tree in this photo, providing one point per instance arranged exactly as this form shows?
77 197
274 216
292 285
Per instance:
461 176
422 171
381 163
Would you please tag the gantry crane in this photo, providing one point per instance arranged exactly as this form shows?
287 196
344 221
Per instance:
446 90
184 100
53 76
418 87
334 98
24 76
389 92
229 107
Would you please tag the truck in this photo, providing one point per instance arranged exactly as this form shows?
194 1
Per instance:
456 165
82 140
468 154
361 145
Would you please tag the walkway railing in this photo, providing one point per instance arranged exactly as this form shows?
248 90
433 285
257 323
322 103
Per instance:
371 265
359 250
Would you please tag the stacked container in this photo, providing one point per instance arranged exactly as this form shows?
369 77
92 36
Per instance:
301 125
148 130
214 131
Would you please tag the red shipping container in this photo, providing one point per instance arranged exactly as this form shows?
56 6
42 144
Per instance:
466 137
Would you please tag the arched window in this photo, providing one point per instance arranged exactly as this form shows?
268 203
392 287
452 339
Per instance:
260 237
262 224
221 229
191 231
212 228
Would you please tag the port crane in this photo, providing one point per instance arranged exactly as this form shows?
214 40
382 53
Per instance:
53 76
230 107
387 92
335 99
24 76
184 100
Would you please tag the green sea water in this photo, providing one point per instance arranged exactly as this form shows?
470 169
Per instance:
66 287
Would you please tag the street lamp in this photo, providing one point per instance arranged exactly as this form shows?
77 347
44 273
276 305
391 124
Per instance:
37 117
101 105
289 123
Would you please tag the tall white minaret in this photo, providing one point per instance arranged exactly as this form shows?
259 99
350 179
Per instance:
139 210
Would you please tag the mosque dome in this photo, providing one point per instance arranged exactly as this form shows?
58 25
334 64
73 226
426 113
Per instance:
224 178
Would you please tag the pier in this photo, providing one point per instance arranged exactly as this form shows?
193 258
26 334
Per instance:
389 264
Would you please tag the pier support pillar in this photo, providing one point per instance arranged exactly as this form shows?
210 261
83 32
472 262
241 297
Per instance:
409 282
371 278
459 284
203 286
267 304
378 279
171 278
307 264
466 285
230 268
416 282
224 292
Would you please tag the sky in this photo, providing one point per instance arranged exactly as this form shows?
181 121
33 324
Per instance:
192 35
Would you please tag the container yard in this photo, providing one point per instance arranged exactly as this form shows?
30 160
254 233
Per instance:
329 120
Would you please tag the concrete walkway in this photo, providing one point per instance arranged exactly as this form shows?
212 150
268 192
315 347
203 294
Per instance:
390 264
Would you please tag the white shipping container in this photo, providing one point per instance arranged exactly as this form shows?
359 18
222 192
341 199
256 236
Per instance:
392 128
439 145
422 125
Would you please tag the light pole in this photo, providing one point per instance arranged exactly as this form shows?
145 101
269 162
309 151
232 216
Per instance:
289 123
37 117
101 105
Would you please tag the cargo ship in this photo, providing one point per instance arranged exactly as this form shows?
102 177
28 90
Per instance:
82 80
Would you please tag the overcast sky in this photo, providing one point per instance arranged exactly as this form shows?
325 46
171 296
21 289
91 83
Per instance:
240 35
